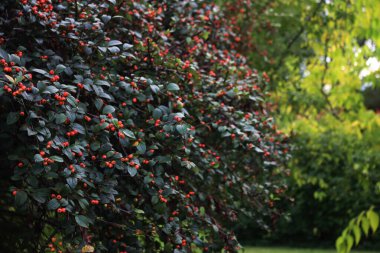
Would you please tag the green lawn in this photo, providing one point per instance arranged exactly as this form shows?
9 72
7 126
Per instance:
290 250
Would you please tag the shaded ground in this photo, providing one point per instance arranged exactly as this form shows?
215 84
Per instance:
294 250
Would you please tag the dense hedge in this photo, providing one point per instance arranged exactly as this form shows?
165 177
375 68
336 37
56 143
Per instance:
130 126
338 163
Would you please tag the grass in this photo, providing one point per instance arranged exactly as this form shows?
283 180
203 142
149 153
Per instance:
294 250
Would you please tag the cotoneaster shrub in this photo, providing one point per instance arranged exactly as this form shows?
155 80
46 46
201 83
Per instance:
130 126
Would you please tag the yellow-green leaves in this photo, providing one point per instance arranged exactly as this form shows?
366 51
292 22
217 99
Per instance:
373 218
364 223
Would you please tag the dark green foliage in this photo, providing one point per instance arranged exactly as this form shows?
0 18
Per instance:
130 126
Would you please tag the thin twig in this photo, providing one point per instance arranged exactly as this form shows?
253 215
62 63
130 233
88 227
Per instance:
326 67
298 34
76 9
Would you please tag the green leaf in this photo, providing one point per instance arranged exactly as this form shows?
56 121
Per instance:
357 234
154 200
181 129
20 198
60 68
50 89
53 204
110 153
83 203
82 221
102 83
147 179
60 118
57 158
202 211
103 49
79 128
14 58
10 79
365 225
108 109
106 18
114 43
373 218
40 71
98 103
350 242
157 113
155 88
41 195
127 46
339 244
19 79
129 133
30 131
114 50
173 87
4 54
141 147
164 159
95 145
38 158
139 211
132 171
72 182
205 35
12 118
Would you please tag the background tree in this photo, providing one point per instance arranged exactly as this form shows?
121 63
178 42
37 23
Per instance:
322 57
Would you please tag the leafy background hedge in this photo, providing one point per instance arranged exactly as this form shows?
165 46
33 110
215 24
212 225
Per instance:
322 57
